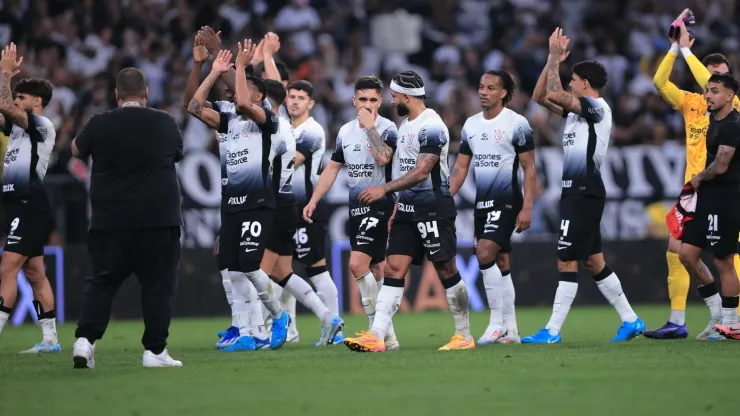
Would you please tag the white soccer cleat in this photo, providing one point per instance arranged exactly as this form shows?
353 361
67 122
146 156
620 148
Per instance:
162 360
710 333
391 342
43 347
492 335
83 354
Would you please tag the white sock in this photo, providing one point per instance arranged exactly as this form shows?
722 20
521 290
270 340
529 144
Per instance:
389 300
3 319
458 302
714 303
369 289
494 284
241 306
391 331
226 281
277 293
561 306
509 309
729 316
49 330
261 282
304 293
679 317
256 317
288 303
611 288
327 291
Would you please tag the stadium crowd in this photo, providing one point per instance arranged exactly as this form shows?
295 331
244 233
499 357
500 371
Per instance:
81 44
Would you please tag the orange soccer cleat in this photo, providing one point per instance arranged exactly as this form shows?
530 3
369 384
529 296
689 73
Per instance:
458 342
365 342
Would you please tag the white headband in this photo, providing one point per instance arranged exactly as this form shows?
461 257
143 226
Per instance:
416 92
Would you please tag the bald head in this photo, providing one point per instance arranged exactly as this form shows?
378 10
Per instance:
131 85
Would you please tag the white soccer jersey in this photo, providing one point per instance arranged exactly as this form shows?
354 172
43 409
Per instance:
310 142
283 164
431 198
27 157
494 146
585 141
353 150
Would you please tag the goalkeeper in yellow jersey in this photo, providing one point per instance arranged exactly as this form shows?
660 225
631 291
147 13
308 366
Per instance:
693 107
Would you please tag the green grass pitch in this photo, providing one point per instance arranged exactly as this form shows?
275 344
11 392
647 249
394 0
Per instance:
583 376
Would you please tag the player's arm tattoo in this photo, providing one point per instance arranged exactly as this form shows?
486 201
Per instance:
555 92
459 173
382 153
424 165
197 106
8 109
719 165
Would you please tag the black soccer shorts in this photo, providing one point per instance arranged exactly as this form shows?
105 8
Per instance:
497 225
715 224
435 238
27 229
369 234
310 242
580 227
243 238
280 241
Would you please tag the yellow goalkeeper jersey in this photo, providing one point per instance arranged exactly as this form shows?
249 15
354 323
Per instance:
3 147
692 106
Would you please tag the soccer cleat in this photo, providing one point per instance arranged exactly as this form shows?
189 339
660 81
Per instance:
491 335
42 348
222 334
329 330
729 332
391 342
710 333
668 331
629 330
244 343
458 342
261 343
293 335
230 336
163 359
365 342
542 336
83 354
512 337
279 331
338 339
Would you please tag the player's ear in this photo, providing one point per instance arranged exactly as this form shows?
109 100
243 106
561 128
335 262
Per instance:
312 102
116 90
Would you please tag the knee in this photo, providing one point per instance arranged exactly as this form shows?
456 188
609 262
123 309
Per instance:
486 252
357 267
687 259
446 269
502 259
393 269
378 270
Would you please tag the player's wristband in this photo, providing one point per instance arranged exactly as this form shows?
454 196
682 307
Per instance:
686 52
674 48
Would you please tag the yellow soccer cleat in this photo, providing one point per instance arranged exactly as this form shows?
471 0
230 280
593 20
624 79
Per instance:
458 342
365 342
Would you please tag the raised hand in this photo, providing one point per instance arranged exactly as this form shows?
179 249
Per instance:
684 38
222 63
272 44
200 53
211 40
259 56
366 118
559 45
245 54
10 61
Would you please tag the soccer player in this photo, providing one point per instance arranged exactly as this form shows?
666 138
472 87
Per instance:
278 259
497 140
365 146
424 221
310 239
585 141
28 211
716 223
693 107
248 201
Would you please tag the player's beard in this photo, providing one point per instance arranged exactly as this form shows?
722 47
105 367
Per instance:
402 110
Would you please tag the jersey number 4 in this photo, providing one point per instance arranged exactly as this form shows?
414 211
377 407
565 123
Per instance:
288 185
430 227
564 225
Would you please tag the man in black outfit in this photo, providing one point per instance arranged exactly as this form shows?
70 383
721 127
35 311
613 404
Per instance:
715 224
136 217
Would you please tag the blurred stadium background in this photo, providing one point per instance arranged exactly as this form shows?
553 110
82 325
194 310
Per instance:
81 44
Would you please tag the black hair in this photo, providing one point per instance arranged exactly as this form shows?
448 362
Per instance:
36 87
592 71
716 59
410 79
508 83
305 86
130 83
727 81
275 91
259 83
370 82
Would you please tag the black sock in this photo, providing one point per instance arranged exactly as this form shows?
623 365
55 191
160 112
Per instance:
4 308
569 277
451 281
41 314
729 302
284 282
603 274
315 271
505 273
707 290
393 282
